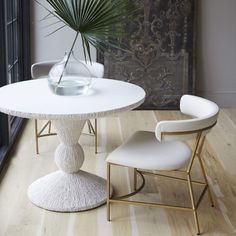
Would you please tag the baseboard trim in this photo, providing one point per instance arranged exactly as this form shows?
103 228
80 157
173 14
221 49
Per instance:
222 98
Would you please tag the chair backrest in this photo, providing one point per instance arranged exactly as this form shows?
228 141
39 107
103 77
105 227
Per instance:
204 115
42 68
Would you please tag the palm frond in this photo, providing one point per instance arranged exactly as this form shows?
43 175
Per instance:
99 22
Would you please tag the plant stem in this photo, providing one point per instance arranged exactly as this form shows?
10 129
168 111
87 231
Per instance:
72 47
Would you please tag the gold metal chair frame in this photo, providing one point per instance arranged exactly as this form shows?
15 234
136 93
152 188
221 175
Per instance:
197 150
39 133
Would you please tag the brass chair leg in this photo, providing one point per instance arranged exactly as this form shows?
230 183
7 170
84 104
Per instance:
193 203
36 136
108 191
204 172
89 126
135 179
96 136
204 175
93 130
49 126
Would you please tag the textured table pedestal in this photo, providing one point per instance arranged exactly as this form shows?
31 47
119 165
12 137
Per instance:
69 189
64 192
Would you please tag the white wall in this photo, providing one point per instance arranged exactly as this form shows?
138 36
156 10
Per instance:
216 53
54 46
216 47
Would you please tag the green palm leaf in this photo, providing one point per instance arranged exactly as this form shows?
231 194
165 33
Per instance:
99 22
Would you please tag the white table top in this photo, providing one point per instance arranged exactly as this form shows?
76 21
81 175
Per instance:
33 99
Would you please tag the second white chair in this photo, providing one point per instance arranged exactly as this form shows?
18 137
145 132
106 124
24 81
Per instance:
165 150
42 69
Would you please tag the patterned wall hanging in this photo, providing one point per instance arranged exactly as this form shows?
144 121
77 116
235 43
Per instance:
160 53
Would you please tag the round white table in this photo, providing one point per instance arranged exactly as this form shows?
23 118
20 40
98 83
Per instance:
69 189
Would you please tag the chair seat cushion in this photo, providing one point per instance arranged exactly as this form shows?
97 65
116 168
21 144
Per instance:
144 151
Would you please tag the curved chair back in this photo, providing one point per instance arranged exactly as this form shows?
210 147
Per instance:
204 115
42 68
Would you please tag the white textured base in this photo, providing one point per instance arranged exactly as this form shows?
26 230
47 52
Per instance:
64 192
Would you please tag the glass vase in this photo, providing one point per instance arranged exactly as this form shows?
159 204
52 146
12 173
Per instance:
69 76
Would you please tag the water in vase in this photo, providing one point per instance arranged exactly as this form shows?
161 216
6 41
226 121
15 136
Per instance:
70 85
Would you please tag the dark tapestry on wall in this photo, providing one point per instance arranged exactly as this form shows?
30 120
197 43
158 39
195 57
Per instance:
160 52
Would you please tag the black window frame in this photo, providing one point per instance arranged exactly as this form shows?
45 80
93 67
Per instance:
10 126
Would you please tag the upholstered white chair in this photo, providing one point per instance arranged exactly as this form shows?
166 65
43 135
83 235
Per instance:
166 149
42 69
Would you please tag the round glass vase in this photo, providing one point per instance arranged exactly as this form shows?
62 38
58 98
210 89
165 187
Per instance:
69 77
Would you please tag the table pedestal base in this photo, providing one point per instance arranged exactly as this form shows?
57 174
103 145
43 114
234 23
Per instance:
64 192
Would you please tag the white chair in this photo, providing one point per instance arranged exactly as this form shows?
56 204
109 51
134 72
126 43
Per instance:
42 69
166 150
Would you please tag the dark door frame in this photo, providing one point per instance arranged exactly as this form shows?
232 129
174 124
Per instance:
10 127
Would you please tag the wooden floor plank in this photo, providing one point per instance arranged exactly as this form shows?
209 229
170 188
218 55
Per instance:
19 217
223 139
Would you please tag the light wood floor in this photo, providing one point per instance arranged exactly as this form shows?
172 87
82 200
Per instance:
19 217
